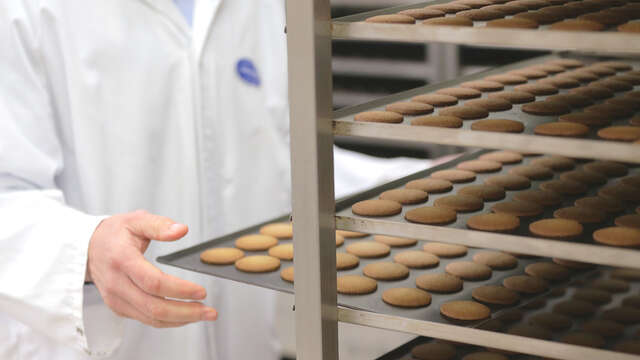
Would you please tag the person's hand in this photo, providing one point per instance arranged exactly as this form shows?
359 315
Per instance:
130 285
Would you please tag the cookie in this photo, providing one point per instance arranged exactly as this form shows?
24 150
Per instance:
594 296
454 175
564 187
346 261
468 270
556 228
445 250
480 166
546 108
551 321
368 249
431 215
498 125
584 177
581 75
410 108
483 192
599 70
610 206
540 17
438 121
582 215
529 73
606 168
278 230
577 25
556 163
406 297
394 241
287 274
567 63
435 99
603 17
416 259
563 129
481 14
574 308
379 116
615 65
356 285
606 328
585 118
525 284
611 285
422 13
620 133
561 82
504 157
623 314
494 222
386 271
449 21
465 310
509 181
548 271
376 208
582 338
540 197
431 186
532 4
465 112
610 110
613 85
460 92
339 240
532 172
495 260
391 19
630 27
507 79
628 102
626 274
483 85
514 97
495 294
221 256
434 351
631 79
282 251
537 89
439 283
350 234
518 208
618 236
405 196
490 104
594 92
620 192
256 242
574 100
631 220
474 4
459 203
258 264
449 8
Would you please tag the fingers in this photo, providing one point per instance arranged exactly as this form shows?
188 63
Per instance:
122 308
172 311
155 227
154 282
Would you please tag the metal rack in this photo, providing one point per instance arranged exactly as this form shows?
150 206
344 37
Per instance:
310 31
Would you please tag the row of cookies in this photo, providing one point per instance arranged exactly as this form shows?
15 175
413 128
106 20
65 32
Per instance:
566 15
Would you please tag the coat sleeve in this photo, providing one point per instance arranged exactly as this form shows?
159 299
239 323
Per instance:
43 241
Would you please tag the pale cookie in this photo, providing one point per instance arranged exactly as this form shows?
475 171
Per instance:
278 230
379 116
376 208
386 271
496 260
356 285
480 166
445 250
394 241
256 242
346 261
431 186
406 297
454 175
416 259
410 108
439 283
405 196
258 264
282 251
368 249
505 157
287 274
221 256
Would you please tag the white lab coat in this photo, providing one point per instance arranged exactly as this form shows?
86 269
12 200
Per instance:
107 106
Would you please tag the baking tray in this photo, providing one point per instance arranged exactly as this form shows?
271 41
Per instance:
403 352
189 259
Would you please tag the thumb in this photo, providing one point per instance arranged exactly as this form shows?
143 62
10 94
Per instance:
155 227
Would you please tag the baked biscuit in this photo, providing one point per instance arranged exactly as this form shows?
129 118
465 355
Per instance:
540 197
445 250
454 175
518 208
514 97
496 260
431 186
439 283
258 264
256 242
465 310
379 116
483 192
386 271
498 125
368 249
395 241
438 121
431 215
391 19
416 259
495 222
406 297
279 230
356 285
221 256
435 99
405 196
460 92
376 208
556 228
410 108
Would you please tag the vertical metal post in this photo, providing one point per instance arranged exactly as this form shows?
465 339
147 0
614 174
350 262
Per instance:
309 49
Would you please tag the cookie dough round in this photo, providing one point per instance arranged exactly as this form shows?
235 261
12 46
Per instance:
439 283
221 256
356 285
416 259
386 271
496 260
431 215
368 249
445 250
376 208
256 242
465 310
494 222
258 264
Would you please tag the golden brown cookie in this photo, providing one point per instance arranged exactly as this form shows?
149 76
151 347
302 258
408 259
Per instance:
537 89
564 129
582 215
599 70
628 102
532 172
610 206
504 157
594 296
606 328
356 285
607 168
416 259
256 242
630 220
480 166
279 230
507 79
368 249
405 196
468 270
258 264
583 339
496 260
620 133
577 25
574 308
556 228
620 192
459 203
460 92
394 241
594 92
434 351
391 19
465 112
386 271
564 187
439 283
339 240
449 21
431 215
518 208
483 192
376 208
474 4
490 104
509 181
525 284
465 310
483 85
221 256
540 17
514 97
623 314
481 14
494 222
422 13
495 294
584 177
610 110
350 234
406 297
573 100
282 251
540 197
546 108
379 116
498 125
454 175
435 99
618 236
445 250
410 108
287 274
551 321
532 4
438 121
431 186
548 271
346 261
611 285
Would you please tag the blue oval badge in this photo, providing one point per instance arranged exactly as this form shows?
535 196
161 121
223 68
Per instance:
248 72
